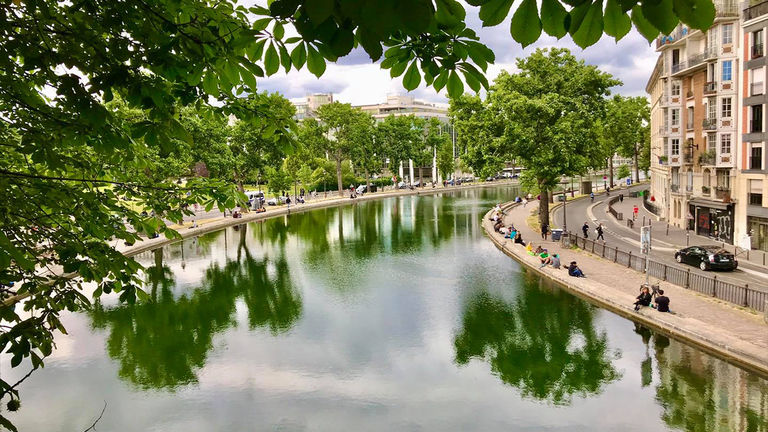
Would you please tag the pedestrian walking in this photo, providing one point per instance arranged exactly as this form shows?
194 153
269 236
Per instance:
544 231
592 196
585 230
621 197
599 230
525 202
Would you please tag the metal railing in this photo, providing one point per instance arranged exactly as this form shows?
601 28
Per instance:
710 87
756 11
709 123
737 294
757 50
674 187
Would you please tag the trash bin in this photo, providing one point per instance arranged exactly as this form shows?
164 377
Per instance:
557 234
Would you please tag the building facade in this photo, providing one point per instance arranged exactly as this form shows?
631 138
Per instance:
694 92
752 182
306 108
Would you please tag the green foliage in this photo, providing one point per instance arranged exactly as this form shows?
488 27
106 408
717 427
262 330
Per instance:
399 137
277 180
445 161
623 172
546 117
324 176
429 40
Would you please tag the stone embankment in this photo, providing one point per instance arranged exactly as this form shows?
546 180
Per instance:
730 332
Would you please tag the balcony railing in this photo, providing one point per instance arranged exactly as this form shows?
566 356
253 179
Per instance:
688 158
689 125
674 188
757 50
756 11
726 8
694 60
705 190
710 87
756 88
721 192
709 124
663 130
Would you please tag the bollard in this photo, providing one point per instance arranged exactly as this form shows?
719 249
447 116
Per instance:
687 239
687 278
630 260
714 286
746 295
667 229
643 220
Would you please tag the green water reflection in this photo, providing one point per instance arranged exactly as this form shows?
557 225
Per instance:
379 316
161 344
544 343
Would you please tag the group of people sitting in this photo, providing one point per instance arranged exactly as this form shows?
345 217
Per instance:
660 303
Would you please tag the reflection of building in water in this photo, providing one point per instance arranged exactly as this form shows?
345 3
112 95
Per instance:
701 393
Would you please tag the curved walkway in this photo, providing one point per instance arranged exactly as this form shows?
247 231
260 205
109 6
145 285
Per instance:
736 334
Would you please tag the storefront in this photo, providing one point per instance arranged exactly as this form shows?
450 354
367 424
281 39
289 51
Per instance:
712 219
758 232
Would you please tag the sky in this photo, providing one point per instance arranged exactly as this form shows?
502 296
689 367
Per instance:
355 79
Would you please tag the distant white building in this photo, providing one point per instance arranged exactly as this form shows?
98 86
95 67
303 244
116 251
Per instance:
307 107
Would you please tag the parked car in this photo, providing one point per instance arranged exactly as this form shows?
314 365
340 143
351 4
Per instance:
402 185
361 189
707 257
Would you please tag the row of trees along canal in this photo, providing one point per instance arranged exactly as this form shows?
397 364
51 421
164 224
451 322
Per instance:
105 103
555 117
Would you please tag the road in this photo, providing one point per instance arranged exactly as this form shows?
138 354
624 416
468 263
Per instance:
617 233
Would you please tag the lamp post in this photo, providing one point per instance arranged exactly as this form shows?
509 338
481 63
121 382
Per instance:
565 200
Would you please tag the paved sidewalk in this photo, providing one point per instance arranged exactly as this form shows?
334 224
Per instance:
731 330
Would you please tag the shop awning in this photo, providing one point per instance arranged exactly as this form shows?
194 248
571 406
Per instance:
700 202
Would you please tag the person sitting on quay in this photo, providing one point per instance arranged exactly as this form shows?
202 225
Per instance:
553 260
497 226
575 271
540 250
662 302
644 299
504 231
512 232
519 239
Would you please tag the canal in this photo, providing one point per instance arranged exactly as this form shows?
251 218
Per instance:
390 315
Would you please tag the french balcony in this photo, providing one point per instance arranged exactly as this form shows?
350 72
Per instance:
674 187
689 126
707 158
756 88
664 130
757 50
694 61
755 11
726 8
722 192
706 191
688 159
709 124
710 88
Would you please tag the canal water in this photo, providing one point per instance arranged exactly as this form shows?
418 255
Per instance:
391 315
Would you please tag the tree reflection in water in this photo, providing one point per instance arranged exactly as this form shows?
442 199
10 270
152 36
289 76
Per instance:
544 343
162 343
700 393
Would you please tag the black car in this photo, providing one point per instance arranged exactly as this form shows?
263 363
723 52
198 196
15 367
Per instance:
707 257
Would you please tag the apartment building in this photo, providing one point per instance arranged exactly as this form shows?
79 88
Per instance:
694 92
306 108
752 181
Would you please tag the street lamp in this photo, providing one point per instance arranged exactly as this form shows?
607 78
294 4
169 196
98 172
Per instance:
565 200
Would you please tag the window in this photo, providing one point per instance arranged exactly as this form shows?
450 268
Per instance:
711 108
676 88
726 107
675 146
727 34
756 118
723 179
725 143
675 116
689 181
756 79
727 70
666 147
711 141
689 122
757 44
756 157
756 192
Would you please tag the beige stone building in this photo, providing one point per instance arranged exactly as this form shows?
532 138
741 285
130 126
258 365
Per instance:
694 125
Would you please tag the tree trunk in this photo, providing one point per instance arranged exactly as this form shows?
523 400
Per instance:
338 175
243 205
421 177
543 206
367 181
610 170
637 167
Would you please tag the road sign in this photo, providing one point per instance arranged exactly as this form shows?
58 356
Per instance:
629 182
635 210
645 240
